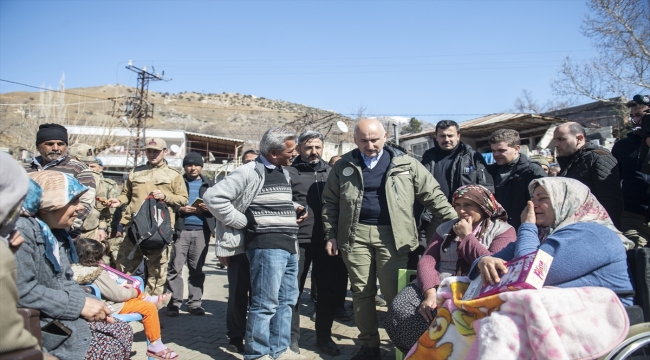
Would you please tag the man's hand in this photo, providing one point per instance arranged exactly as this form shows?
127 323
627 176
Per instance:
225 261
331 247
114 203
463 228
302 217
202 208
96 310
490 268
101 235
528 215
187 209
158 195
428 305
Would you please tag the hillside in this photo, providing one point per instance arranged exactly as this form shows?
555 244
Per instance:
226 114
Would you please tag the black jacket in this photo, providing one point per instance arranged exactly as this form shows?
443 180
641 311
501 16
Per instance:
513 193
468 168
307 186
210 222
635 183
599 170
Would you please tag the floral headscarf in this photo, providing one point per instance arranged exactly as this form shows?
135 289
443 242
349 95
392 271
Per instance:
572 202
58 190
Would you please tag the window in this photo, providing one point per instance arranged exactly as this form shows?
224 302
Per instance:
419 148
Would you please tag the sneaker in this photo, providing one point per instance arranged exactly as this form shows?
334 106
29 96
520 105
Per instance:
236 345
196 310
290 355
380 302
342 315
172 311
367 353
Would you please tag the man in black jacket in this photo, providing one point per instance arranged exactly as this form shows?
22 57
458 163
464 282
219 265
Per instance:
194 225
511 173
308 176
635 221
453 164
591 165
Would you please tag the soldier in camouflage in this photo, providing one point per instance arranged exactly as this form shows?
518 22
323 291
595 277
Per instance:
155 178
107 189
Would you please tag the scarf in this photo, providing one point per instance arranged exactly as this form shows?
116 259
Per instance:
572 202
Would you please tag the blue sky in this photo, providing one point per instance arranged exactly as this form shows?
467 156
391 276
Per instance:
442 59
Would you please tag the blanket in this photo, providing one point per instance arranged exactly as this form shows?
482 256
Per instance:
550 323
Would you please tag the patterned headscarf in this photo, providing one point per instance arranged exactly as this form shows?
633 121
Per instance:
572 202
483 198
58 190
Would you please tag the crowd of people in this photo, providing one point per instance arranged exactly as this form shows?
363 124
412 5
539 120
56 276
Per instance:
358 218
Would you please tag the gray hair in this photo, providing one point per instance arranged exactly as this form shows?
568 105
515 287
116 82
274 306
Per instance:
308 135
274 138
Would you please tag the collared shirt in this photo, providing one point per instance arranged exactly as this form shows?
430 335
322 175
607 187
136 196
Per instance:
267 163
372 161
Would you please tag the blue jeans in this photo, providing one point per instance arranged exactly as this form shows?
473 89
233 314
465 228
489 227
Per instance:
274 290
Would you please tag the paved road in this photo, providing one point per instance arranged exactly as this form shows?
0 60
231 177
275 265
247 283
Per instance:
204 337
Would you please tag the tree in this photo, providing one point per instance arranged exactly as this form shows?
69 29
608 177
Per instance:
414 126
619 30
526 103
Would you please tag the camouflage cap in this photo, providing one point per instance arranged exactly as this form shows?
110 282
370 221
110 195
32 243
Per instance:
155 143
83 152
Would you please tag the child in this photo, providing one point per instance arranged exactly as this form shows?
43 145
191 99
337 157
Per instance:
122 299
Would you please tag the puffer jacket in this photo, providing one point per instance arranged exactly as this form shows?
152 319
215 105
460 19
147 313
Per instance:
407 181
598 169
229 199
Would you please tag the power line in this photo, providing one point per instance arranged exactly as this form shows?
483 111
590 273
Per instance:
57 91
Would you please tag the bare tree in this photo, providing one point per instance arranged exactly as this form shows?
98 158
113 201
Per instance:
620 32
526 103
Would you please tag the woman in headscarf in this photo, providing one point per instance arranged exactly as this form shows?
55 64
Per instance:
75 324
566 221
481 229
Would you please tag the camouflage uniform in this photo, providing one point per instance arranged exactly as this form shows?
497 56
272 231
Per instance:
142 181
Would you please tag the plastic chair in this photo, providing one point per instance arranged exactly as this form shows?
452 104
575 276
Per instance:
403 279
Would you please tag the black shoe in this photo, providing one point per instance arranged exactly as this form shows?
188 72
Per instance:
367 353
172 311
236 345
341 315
327 346
294 346
196 310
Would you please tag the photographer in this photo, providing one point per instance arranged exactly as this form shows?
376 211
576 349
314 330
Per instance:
630 153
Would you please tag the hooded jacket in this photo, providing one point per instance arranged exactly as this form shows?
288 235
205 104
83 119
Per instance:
406 181
599 170
307 185
635 183
513 193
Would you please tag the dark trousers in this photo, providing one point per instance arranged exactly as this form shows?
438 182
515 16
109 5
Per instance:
239 286
332 281
191 247
304 261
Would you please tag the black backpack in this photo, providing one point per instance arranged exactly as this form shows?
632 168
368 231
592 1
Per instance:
151 226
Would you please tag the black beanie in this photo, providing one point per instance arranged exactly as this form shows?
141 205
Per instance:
193 159
51 132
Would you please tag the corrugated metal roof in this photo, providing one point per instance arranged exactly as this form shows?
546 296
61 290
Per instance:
214 137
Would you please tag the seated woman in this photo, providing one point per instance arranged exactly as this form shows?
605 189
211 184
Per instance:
122 298
75 324
566 221
481 229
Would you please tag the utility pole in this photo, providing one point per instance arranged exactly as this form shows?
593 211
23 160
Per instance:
136 109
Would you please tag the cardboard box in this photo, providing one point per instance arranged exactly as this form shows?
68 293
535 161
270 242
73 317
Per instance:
525 272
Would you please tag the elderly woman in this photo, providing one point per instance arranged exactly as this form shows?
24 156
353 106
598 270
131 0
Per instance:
75 325
566 221
481 229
